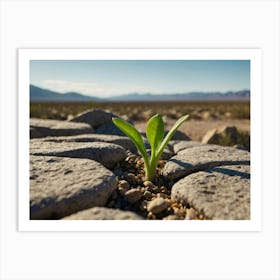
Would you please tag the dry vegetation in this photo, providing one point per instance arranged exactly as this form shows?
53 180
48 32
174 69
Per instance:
141 111
205 115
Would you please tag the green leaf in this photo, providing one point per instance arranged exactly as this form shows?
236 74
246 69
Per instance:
133 134
155 131
170 134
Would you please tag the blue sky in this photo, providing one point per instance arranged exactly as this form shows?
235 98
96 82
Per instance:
114 77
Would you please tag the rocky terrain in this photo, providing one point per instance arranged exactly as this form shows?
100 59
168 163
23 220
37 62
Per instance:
86 169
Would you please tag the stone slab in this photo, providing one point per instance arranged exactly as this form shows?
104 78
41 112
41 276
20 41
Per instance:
63 186
203 157
42 128
182 145
94 118
106 153
102 213
125 142
221 193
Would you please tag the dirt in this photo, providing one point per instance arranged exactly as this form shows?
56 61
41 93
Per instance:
131 176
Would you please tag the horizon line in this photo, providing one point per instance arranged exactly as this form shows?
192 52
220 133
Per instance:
142 93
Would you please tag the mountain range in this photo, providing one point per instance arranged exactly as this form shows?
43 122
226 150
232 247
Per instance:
38 94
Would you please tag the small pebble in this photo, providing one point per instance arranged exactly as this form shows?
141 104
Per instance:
163 195
138 164
151 216
131 158
175 205
157 205
133 195
190 214
131 177
148 195
163 189
124 185
150 186
171 217
181 213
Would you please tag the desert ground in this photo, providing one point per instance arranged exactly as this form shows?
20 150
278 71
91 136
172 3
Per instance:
204 115
83 168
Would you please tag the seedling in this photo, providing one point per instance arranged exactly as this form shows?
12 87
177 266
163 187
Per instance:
155 134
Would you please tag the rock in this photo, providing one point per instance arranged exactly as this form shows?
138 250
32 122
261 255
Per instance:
228 115
191 214
221 193
203 157
157 205
130 177
133 195
163 189
206 115
102 213
179 135
124 185
125 142
171 217
226 136
100 120
182 145
62 186
171 144
150 186
109 129
94 118
163 195
148 195
106 153
42 128
167 154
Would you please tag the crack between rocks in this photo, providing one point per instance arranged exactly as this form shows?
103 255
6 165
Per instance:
194 169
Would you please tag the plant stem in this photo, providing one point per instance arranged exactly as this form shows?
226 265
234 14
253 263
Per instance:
150 169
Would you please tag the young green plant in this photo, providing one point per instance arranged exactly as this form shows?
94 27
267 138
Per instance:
155 135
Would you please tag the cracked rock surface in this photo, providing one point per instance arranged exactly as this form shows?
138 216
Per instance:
62 186
95 118
70 177
125 142
102 213
106 153
221 193
42 128
203 157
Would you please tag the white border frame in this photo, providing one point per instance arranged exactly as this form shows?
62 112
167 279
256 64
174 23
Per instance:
254 55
